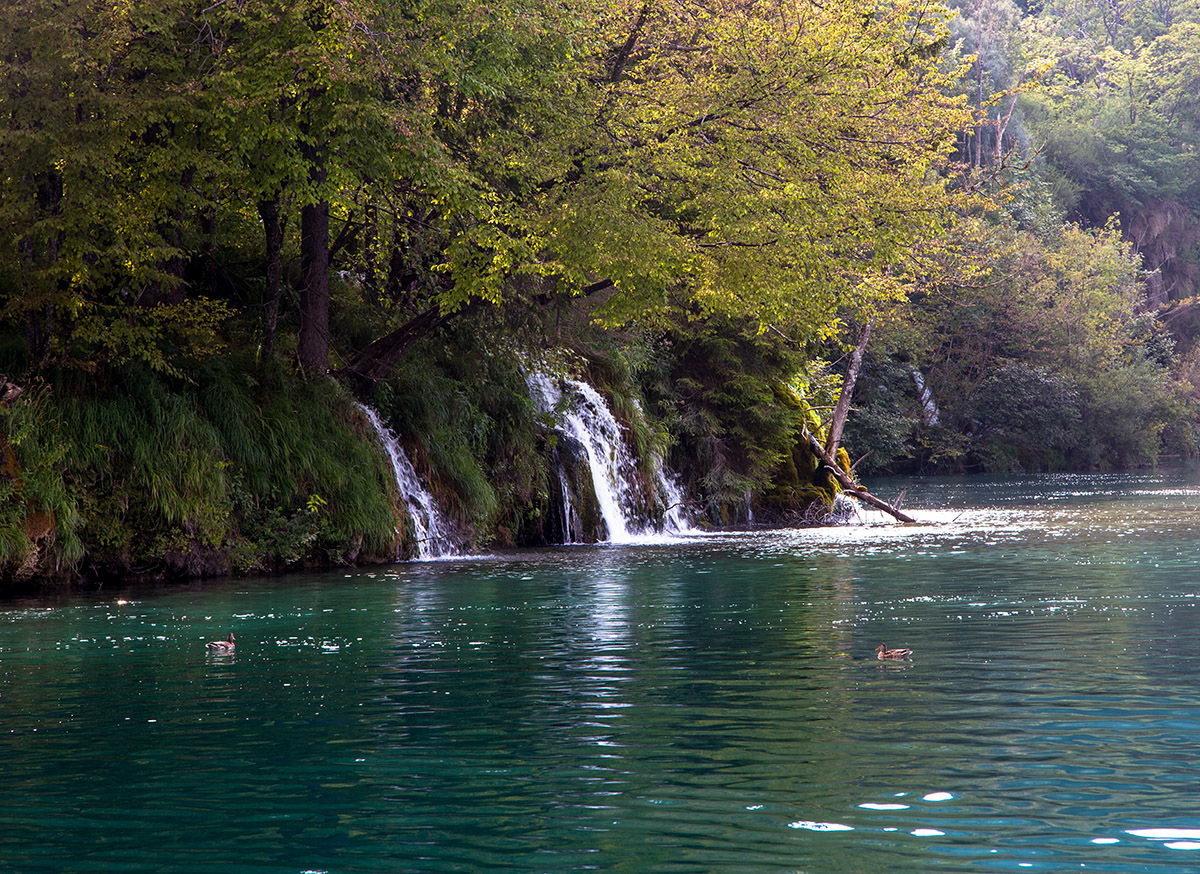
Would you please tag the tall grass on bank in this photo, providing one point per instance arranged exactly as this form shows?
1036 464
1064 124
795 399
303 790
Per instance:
222 472
39 511
305 451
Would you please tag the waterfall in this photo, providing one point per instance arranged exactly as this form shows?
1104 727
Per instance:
429 528
571 526
624 506
671 495
928 403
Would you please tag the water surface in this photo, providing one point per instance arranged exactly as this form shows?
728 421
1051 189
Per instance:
705 705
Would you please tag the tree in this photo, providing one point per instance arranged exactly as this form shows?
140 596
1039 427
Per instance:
786 164
984 30
300 91
743 158
103 149
773 162
1119 120
1054 337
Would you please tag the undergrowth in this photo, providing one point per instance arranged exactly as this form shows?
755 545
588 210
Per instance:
222 471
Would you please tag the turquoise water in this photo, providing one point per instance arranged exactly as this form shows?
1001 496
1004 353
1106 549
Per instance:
706 705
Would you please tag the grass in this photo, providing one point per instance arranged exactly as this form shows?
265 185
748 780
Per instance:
223 471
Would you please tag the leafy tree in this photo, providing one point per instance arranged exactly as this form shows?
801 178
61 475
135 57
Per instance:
1047 362
103 150
1118 117
300 93
748 159
986 31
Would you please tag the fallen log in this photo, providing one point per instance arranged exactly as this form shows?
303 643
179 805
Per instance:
849 486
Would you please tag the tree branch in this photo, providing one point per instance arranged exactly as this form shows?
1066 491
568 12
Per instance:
849 486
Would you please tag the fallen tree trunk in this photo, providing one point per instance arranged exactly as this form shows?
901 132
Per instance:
379 359
852 488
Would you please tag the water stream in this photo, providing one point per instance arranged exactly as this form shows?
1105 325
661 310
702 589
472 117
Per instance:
614 481
585 417
430 530
707 704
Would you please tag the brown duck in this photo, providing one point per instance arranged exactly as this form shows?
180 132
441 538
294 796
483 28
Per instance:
882 652
227 644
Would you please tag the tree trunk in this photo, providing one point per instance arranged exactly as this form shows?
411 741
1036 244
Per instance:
379 359
268 210
39 333
312 345
40 320
171 289
208 223
843 403
979 92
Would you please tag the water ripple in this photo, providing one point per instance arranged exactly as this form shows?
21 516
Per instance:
713 705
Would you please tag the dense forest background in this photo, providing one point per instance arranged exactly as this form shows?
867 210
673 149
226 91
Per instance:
226 222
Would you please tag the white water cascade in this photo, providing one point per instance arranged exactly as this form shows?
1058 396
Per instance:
429 527
586 417
928 403
846 511
674 520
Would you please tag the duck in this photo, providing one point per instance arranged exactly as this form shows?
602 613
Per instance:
882 652
227 644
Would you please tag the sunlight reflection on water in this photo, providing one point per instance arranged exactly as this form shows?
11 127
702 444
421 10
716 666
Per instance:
713 704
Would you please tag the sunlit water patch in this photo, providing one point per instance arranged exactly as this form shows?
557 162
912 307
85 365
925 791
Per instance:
707 705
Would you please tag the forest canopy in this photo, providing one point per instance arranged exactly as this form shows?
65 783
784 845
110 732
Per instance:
773 161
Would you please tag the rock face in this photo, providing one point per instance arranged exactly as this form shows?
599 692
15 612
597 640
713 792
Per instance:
574 515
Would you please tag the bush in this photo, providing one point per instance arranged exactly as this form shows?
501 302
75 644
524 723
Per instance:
1125 413
39 510
1024 419
148 475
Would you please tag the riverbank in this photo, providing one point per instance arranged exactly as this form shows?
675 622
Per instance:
241 467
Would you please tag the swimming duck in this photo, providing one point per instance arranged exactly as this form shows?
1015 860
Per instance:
227 644
882 652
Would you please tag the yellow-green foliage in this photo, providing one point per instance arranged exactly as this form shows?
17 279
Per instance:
1051 363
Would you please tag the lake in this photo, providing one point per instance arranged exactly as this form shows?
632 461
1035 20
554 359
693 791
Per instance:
711 703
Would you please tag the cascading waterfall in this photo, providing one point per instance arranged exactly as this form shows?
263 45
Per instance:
429 527
612 467
845 511
669 494
623 505
571 530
